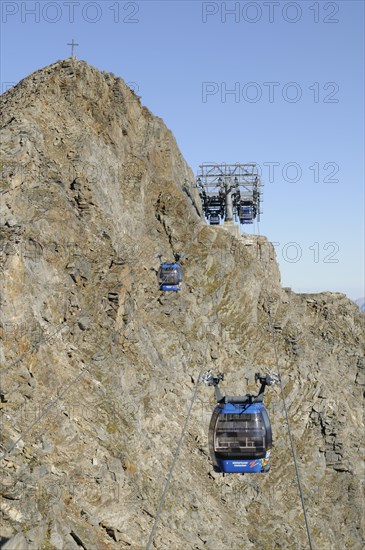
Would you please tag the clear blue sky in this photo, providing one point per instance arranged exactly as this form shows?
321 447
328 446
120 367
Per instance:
170 50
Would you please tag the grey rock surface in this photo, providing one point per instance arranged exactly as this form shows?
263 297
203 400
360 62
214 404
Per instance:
98 368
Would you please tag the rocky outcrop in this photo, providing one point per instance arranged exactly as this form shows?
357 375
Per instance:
98 368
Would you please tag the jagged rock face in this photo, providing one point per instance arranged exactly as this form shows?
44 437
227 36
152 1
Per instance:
94 189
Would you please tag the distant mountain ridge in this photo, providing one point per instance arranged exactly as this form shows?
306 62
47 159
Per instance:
361 303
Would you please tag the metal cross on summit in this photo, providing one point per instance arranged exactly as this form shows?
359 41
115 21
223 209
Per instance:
72 44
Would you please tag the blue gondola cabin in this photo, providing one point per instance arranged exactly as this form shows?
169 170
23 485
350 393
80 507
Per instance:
170 277
240 438
246 214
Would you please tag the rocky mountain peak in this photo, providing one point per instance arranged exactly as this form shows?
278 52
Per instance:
98 368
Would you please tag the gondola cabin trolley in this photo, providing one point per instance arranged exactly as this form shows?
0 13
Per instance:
240 438
246 214
170 277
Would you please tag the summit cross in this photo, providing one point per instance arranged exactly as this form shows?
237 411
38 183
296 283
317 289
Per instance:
72 44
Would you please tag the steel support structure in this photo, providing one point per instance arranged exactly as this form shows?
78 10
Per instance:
230 190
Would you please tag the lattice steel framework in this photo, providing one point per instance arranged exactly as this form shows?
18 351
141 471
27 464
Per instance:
228 190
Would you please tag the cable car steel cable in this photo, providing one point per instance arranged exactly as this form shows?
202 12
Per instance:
289 429
33 347
287 419
50 405
176 456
